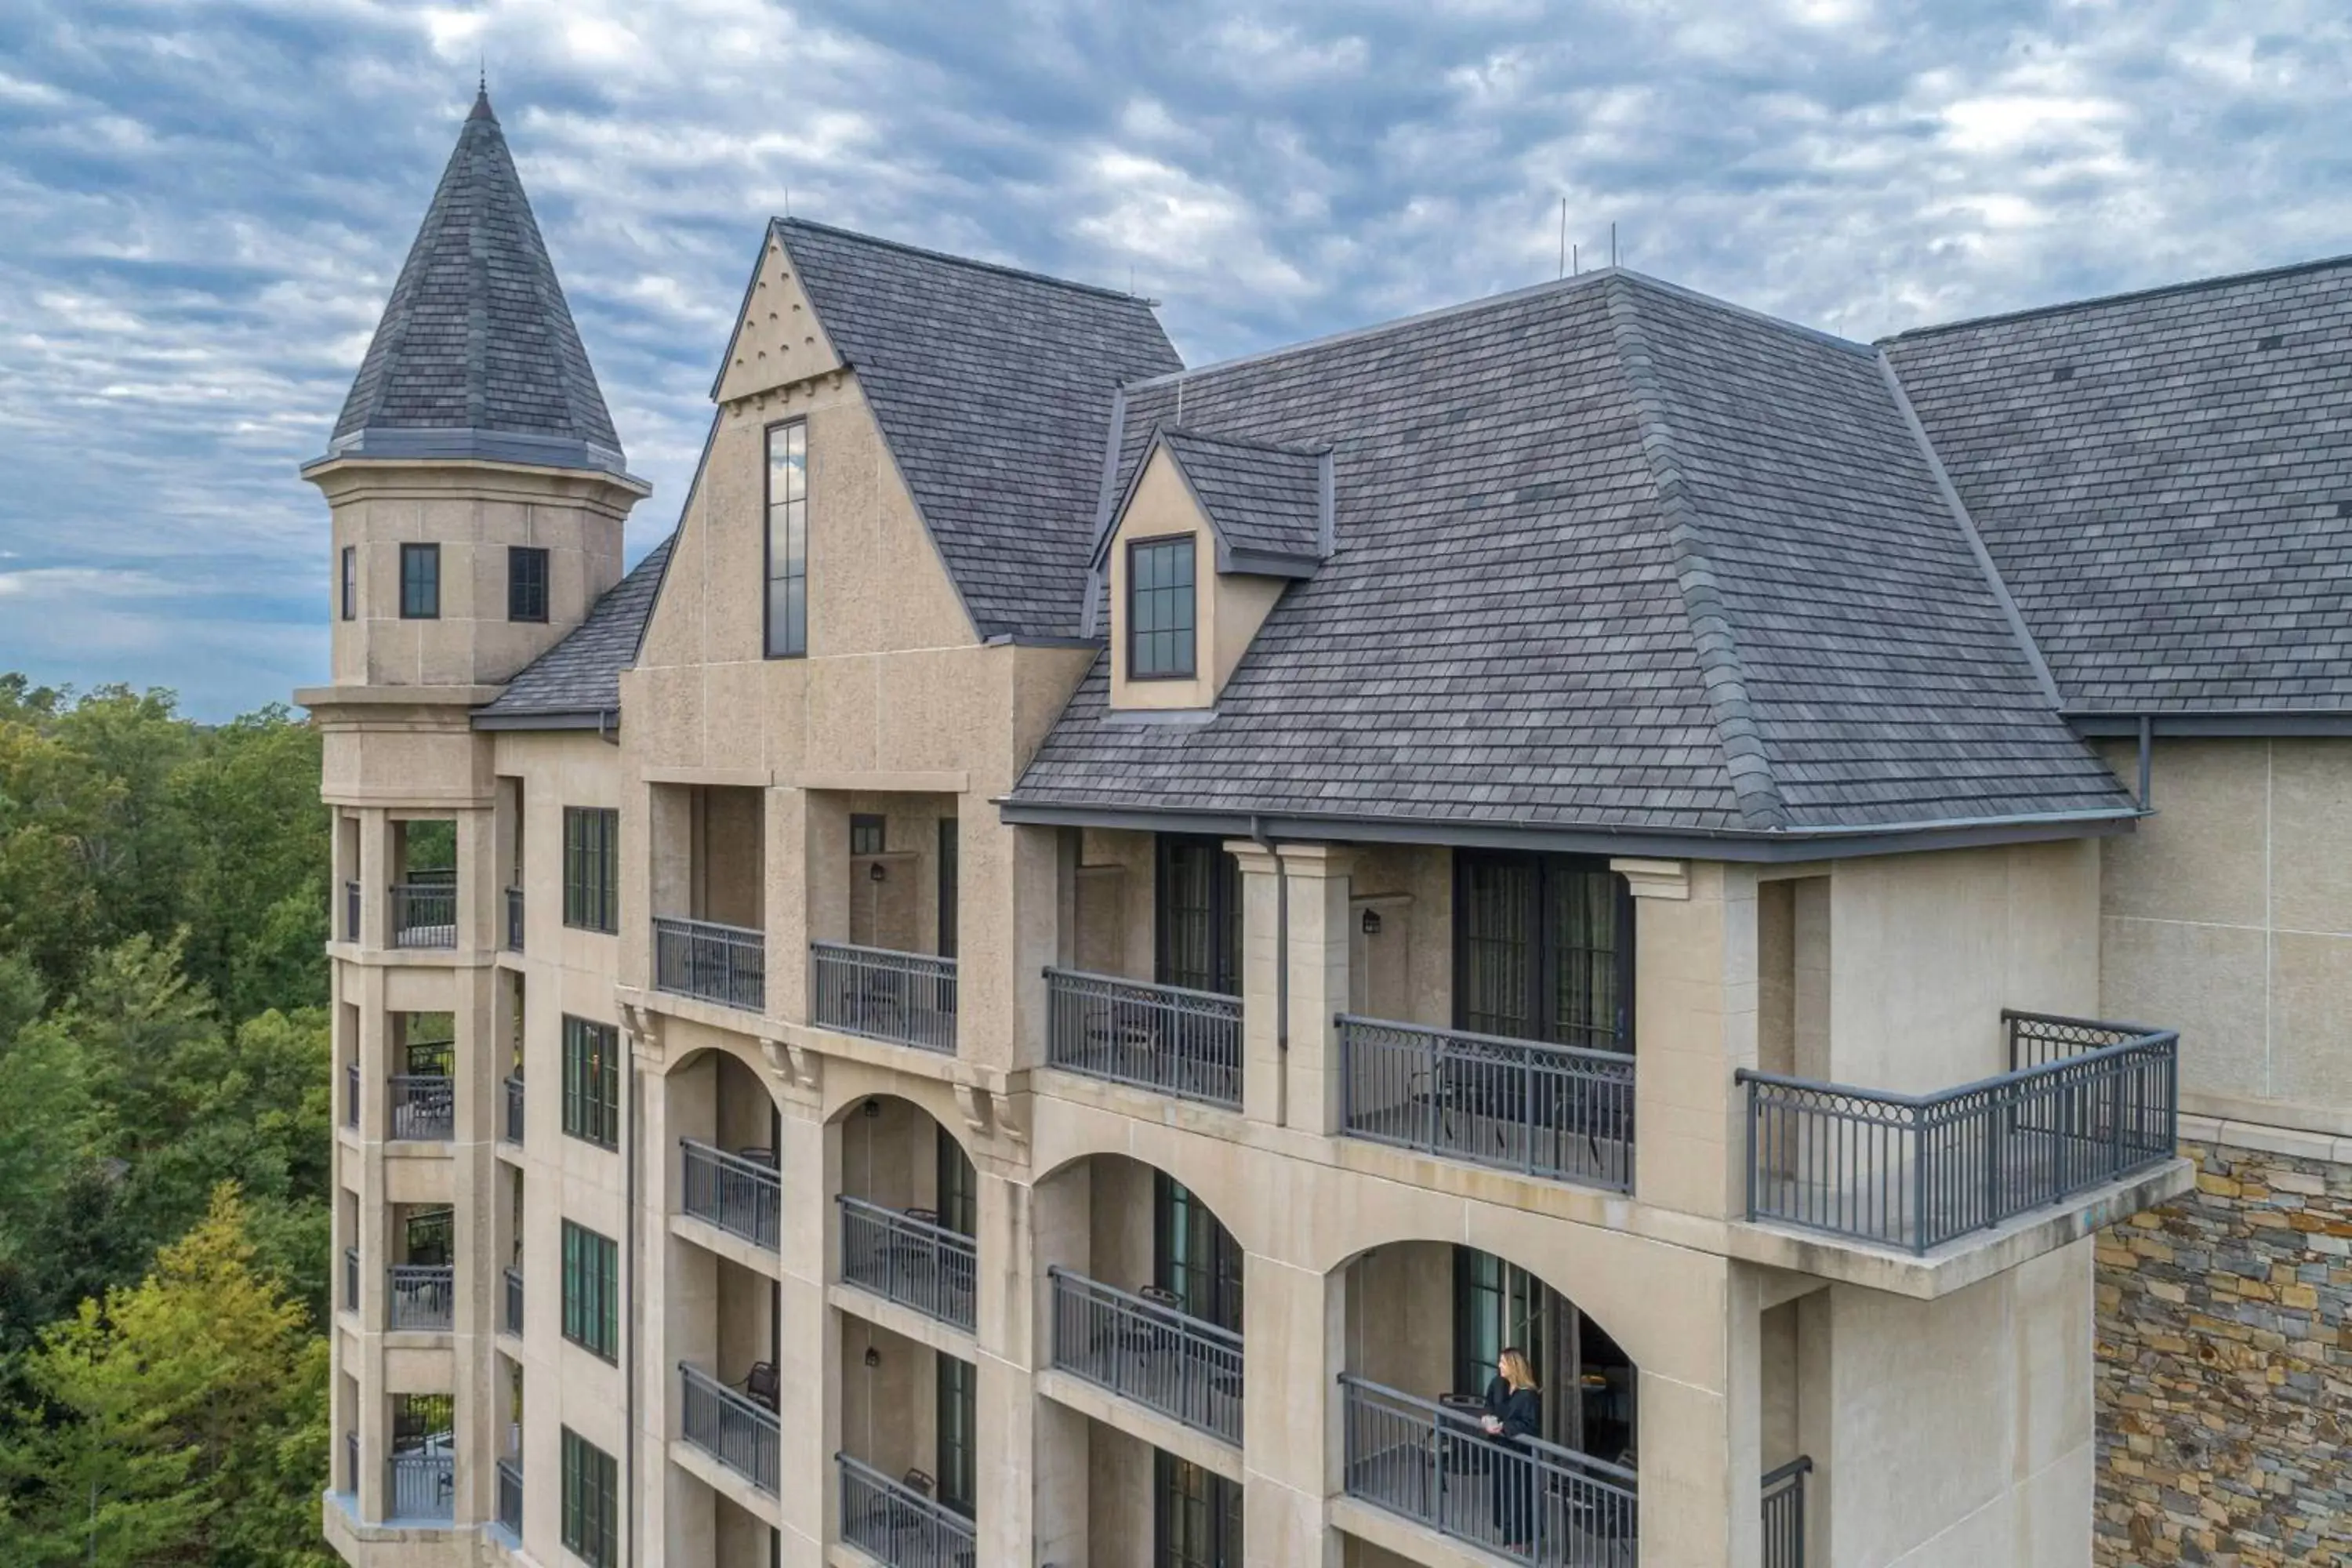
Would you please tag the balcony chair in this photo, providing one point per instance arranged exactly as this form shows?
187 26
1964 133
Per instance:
760 1385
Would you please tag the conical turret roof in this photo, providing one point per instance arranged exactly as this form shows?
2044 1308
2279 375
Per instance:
477 355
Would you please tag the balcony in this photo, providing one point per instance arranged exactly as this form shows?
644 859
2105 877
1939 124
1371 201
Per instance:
510 1130
423 1107
738 1432
424 910
741 1195
422 1297
909 1259
1784 1514
1561 1111
1149 1352
712 962
900 1524
510 1497
511 1314
1163 1038
351 912
351 1094
423 1484
907 998
1527 1500
2084 1104
514 919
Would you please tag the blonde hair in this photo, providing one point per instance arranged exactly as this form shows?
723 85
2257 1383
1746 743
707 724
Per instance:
1513 1365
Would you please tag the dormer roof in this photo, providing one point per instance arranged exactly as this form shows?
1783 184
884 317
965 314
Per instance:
1270 505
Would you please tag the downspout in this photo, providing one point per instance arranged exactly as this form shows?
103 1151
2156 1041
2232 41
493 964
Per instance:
1281 952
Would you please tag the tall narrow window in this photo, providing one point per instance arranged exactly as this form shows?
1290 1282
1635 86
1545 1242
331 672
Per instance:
592 1291
1196 1255
1543 950
1197 1516
1159 609
949 915
787 568
420 581
351 581
959 1186
526 584
591 869
591 1081
1198 915
958 1396
591 1515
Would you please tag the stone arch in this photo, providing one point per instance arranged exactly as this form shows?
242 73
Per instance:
1204 1166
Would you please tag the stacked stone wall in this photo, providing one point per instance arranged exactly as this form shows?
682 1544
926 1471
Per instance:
2225 1370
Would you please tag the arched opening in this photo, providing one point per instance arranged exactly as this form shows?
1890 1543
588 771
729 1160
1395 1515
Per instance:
1543 1473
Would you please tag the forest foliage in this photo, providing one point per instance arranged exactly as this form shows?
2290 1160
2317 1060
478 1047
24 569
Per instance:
163 1133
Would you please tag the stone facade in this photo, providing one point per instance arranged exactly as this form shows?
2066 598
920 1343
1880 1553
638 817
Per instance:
2225 1372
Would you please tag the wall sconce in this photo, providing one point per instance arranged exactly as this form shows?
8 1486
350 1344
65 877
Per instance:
1371 923
873 1356
875 872
873 1109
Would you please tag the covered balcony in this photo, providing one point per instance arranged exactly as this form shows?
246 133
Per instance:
882 961
420 1282
907 1469
709 869
728 1126
422 1470
734 1424
422 1102
726 1390
423 893
897 1522
908 1222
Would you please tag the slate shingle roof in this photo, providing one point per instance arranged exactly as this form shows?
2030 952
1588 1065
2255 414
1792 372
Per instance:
1610 556
994 390
581 674
1259 496
477 354
2162 480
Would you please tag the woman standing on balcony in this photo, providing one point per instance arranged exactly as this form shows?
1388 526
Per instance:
1514 1410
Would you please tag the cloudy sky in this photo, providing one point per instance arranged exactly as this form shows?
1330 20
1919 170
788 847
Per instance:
202 204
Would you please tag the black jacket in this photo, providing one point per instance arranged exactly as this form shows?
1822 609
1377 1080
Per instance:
1521 1413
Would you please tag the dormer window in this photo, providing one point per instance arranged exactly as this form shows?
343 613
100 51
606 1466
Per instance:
1159 609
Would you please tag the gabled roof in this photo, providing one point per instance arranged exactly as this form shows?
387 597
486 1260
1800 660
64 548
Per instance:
1269 504
2165 480
994 390
476 355
1610 558
580 677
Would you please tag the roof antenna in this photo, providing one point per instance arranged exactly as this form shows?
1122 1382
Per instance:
1563 239
1612 243
1576 261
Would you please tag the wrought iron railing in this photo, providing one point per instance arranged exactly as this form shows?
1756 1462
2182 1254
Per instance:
352 1461
712 962
511 1131
1784 1514
1165 1360
423 1107
741 1434
894 1523
423 1483
739 1195
351 1279
422 1295
1563 1111
351 912
2098 1102
906 997
514 919
909 1261
1165 1038
351 1094
424 914
510 1315
1521 1498
510 1496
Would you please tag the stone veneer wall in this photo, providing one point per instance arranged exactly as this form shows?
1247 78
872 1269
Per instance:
2225 1369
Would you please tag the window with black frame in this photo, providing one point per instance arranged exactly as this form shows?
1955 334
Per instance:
787 541
592 868
1159 609
591 1081
957 1403
1543 948
1197 1519
1195 1258
592 1291
1197 915
959 1186
591 1514
420 581
351 583
526 582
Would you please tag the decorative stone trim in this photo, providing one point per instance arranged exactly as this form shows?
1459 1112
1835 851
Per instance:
1655 878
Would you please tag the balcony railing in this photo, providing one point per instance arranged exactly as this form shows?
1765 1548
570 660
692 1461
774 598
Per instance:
511 1131
514 919
907 1260
1164 1360
740 1433
510 1315
740 1195
423 1483
352 1461
424 914
423 1107
422 1296
725 964
894 1523
351 912
351 1279
906 997
1784 1514
351 1094
1524 1500
2087 1104
1164 1037
1562 1112
510 1496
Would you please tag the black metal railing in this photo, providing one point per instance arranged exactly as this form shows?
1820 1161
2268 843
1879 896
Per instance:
894 1523
351 1279
712 962
351 1462
740 1195
907 1260
908 998
2097 1102
351 912
741 1434
510 1496
1784 1514
422 1295
423 1107
1522 1498
351 1094
514 919
423 1483
1563 1111
1165 1360
1165 1038
424 914
511 1314
511 1131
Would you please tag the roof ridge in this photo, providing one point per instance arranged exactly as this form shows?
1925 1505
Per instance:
1194 433
1748 312
2128 296
1752 783
975 264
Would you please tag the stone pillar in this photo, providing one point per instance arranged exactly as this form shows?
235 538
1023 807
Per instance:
1695 1009
375 877
1061 1225
1263 1089
1317 878
808 1362
1702 1436
1293 1341
1008 931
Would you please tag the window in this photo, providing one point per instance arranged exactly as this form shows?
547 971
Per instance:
591 1514
1543 950
1195 1255
959 1186
1159 609
958 1383
351 581
591 1294
591 1081
1198 915
1198 1517
868 835
526 584
788 540
420 581
950 851
591 869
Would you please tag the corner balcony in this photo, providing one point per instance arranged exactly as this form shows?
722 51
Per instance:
421 1297
424 910
712 962
902 1525
423 1107
1148 1350
906 998
1167 1038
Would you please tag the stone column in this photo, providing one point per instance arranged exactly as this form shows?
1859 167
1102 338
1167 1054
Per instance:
1293 1340
1061 1225
1702 1436
1695 1020
1008 931
1263 1089
808 1363
1318 879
